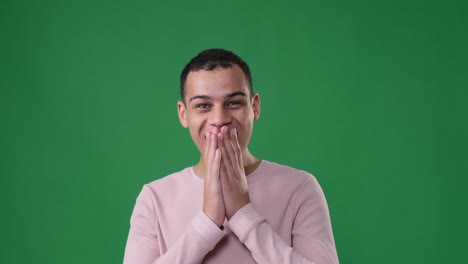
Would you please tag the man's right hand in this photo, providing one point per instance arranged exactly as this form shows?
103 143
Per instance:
213 203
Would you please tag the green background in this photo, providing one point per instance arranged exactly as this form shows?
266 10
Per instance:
369 96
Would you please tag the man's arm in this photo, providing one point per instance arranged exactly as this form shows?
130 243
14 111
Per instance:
143 245
312 237
201 236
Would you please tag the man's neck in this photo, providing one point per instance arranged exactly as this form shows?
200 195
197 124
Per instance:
250 164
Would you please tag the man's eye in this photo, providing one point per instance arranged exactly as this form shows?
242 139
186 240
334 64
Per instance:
234 103
202 106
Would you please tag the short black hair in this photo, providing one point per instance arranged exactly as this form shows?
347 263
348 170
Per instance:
212 59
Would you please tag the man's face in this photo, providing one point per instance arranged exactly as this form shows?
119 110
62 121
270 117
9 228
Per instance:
218 98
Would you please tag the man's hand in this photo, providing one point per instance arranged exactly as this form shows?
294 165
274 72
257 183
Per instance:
233 179
213 204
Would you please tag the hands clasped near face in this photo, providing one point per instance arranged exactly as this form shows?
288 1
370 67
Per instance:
225 189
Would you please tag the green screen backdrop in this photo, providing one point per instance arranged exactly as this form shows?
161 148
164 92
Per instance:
369 96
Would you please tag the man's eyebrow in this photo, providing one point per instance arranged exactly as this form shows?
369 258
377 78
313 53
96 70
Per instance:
235 94
206 97
199 97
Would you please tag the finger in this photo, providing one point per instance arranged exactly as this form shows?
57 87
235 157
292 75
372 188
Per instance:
222 172
224 129
213 146
209 158
229 144
225 159
216 163
207 146
237 147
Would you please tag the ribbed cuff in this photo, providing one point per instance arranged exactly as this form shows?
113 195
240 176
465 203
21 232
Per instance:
244 220
207 230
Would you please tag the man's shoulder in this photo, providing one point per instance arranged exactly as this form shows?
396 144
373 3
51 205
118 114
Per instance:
276 170
171 181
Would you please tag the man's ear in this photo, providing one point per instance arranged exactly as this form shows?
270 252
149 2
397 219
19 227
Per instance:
256 106
182 113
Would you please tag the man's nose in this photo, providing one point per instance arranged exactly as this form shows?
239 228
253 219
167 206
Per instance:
219 117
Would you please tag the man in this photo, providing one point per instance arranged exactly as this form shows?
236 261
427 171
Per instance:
230 207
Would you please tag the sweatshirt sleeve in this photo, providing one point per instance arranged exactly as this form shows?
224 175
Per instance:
312 237
143 246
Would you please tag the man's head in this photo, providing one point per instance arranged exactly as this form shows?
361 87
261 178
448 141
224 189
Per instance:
213 59
217 92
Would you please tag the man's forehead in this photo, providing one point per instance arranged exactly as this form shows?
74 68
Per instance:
216 83
233 72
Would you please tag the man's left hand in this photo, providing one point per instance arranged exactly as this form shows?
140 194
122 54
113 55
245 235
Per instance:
232 174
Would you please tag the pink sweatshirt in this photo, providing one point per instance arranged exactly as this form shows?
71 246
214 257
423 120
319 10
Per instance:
287 221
